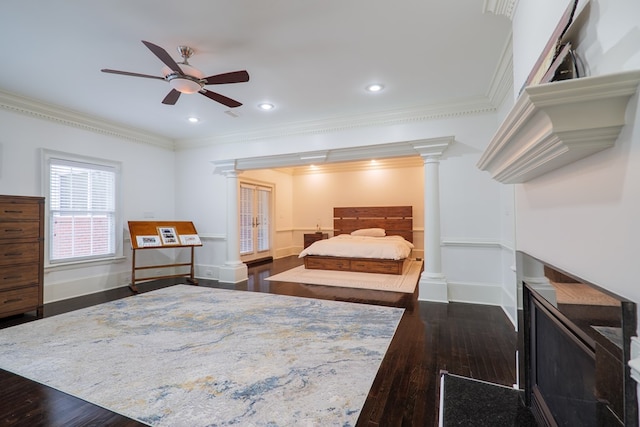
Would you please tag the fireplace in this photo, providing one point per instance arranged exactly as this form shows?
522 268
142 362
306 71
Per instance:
576 339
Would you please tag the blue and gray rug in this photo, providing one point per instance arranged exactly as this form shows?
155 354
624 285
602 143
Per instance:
199 356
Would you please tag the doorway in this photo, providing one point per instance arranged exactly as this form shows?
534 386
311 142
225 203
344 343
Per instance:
256 202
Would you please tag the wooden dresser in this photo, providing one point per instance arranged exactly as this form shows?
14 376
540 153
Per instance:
21 254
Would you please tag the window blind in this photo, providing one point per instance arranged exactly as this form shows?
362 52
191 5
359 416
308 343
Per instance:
82 210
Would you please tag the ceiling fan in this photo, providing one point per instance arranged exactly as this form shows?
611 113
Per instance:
184 78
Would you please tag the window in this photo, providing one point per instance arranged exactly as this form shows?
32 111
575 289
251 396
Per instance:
82 208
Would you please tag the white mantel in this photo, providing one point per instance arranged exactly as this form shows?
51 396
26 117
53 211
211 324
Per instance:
554 124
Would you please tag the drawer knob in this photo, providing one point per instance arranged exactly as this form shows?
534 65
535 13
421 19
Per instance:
10 277
9 301
12 230
12 211
13 254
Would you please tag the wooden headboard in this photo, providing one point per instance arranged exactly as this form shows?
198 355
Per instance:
396 220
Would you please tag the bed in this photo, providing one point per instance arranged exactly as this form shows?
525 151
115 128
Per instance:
397 223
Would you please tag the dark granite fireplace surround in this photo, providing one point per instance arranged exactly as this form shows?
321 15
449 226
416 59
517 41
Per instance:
576 339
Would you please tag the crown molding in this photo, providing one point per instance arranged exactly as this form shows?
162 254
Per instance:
555 124
501 85
470 106
500 7
56 114
431 146
465 107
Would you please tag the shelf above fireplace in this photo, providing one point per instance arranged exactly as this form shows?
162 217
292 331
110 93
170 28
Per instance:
554 124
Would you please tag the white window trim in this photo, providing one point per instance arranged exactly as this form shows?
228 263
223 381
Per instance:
46 156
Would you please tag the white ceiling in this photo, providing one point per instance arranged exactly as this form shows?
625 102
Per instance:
312 60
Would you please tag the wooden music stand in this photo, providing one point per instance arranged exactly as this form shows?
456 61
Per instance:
162 235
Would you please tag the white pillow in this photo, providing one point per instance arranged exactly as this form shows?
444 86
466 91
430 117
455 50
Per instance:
401 239
371 232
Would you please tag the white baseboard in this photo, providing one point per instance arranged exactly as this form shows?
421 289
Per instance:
285 252
475 293
510 301
433 289
84 286
204 271
233 273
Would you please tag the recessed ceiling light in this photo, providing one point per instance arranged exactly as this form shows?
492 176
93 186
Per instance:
375 87
266 106
193 119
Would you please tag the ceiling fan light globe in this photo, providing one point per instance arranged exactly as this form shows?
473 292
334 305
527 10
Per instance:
191 71
185 85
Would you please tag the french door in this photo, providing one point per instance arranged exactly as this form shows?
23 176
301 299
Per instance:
255 221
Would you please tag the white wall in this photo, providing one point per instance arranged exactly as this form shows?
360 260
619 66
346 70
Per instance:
147 181
470 200
583 218
162 184
510 296
201 198
471 218
533 23
317 194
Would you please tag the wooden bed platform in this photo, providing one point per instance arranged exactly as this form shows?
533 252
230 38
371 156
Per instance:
396 220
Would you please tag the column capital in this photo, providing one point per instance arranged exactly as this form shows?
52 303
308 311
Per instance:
231 173
432 148
226 168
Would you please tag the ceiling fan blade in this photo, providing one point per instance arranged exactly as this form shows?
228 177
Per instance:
127 73
163 56
232 77
232 103
171 98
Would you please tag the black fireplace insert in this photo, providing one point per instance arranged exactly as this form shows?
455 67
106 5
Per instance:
577 339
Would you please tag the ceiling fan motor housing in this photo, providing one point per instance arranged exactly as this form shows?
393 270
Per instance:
190 81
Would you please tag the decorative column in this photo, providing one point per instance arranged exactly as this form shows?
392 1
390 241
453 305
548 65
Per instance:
433 283
233 270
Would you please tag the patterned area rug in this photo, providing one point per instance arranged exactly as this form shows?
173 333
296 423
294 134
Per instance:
405 282
197 356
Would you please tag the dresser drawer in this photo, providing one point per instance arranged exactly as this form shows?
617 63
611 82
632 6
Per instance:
373 266
19 253
19 300
10 211
327 264
19 230
21 275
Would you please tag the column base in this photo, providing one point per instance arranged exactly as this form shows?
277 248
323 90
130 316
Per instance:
433 289
233 273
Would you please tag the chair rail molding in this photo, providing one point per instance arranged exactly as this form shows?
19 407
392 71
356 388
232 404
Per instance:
554 124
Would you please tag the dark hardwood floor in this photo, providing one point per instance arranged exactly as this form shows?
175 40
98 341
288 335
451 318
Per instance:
466 339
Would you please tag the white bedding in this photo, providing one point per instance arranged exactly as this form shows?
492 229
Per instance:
345 245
